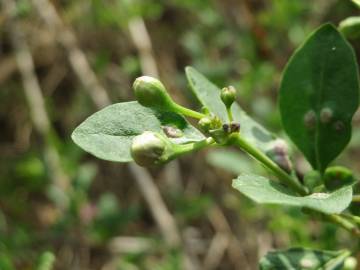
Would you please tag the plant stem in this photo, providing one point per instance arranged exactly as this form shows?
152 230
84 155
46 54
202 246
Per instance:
229 113
181 149
347 225
188 112
355 219
334 262
238 141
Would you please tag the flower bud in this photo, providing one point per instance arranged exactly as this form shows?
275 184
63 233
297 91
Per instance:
337 176
150 92
228 95
208 123
148 148
205 124
350 263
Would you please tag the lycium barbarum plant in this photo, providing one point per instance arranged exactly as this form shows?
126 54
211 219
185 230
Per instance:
319 95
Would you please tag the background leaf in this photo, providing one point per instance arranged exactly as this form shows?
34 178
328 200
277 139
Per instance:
262 190
350 27
209 96
301 258
233 161
107 134
321 74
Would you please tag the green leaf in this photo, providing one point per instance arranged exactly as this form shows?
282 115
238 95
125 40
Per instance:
264 191
303 259
108 134
209 96
319 94
233 161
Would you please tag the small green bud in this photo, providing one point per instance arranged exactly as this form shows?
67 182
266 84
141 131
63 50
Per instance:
228 95
205 124
312 179
337 177
150 92
205 111
208 123
350 263
149 149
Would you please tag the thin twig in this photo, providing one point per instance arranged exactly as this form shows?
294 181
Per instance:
142 42
356 198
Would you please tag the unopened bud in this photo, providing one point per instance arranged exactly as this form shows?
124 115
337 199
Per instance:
208 123
228 95
350 263
148 148
337 176
150 92
205 124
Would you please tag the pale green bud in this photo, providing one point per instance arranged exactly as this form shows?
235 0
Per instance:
205 124
228 95
150 92
208 123
350 263
148 149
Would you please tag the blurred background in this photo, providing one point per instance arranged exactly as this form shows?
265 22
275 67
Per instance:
61 61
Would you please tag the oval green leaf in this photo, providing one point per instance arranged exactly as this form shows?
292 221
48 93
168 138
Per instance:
303 258
319 94
264 191
209 96
108 133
